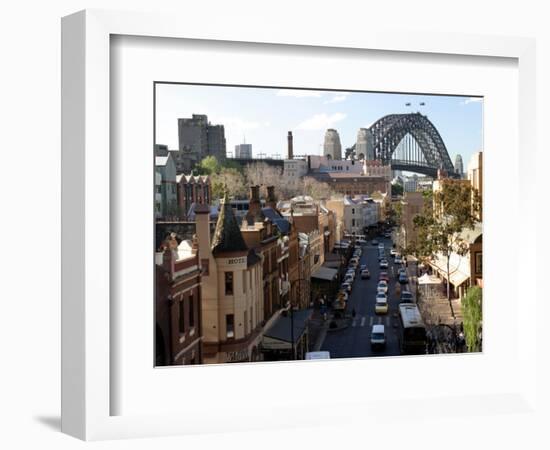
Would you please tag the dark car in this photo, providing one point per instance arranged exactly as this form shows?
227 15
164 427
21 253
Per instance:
374 242
403 279
383 276
365 274
406 297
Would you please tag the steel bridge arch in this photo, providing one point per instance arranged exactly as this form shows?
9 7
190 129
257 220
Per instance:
388 131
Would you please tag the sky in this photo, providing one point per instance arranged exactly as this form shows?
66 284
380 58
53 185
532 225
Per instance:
263 116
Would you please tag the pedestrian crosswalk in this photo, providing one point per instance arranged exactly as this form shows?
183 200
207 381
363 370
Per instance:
362 321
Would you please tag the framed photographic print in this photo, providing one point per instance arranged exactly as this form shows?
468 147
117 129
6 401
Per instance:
255 223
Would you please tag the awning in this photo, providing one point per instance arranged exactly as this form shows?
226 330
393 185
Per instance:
279 335
428 279
325 273
459 268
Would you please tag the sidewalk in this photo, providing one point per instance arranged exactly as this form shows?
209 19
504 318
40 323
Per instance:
318 328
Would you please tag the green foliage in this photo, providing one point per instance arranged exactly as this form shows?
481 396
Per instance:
396 189
472 313
445 215
208 166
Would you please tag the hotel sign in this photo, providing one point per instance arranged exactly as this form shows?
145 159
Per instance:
236 261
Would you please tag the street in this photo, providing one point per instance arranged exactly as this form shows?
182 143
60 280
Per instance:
354 341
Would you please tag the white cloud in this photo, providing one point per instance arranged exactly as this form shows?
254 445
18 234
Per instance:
337 98
321 121
298 93
472 100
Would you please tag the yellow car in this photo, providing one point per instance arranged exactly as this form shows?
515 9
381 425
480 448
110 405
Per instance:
381 305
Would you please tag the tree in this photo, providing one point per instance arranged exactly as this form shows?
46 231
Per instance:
316 189
473 316
447 212
208 166
231 179
396 189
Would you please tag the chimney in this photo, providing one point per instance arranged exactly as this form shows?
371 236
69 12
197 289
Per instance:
271 200
201 240
290 146
168 260
254 205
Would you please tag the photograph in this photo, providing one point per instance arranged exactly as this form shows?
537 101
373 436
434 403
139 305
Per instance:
303 224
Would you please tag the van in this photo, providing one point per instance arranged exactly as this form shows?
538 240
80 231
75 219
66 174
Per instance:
377 337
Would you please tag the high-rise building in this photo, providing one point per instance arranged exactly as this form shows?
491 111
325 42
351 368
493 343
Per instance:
364 148
332 147
243 151
202 138
459 165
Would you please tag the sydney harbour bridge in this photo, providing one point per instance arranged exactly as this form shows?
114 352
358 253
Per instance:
408 142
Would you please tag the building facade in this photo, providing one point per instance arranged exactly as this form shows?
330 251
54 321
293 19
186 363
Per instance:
198 136
168 187
178 329
232 300
243 151
475 176
192 190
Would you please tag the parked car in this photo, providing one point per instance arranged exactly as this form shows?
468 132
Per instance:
381 306
384 264
384 276
346 286
362 267
393 252
365 274
398 259
406 297
382 286
403 279
381 246
377 337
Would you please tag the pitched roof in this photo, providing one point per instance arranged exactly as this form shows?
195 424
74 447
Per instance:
227 237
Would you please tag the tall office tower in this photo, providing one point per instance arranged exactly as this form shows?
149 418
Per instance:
364 148
332 148
459 166
243 151
202 138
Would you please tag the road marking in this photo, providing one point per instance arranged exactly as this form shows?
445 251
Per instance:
363 321
371 320
387 321
380 321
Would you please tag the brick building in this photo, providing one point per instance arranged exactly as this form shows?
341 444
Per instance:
178 328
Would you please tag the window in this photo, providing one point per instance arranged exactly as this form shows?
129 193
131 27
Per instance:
352 222
353 211
246 323
191 312
230 325
181 317
244 281
228 283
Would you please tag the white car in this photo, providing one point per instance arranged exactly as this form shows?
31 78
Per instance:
382 286
377 337
381 306
384 264
393 252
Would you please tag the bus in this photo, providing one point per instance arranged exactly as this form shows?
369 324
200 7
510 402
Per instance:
412 336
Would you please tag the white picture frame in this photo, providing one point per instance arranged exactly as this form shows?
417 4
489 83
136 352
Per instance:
87 383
